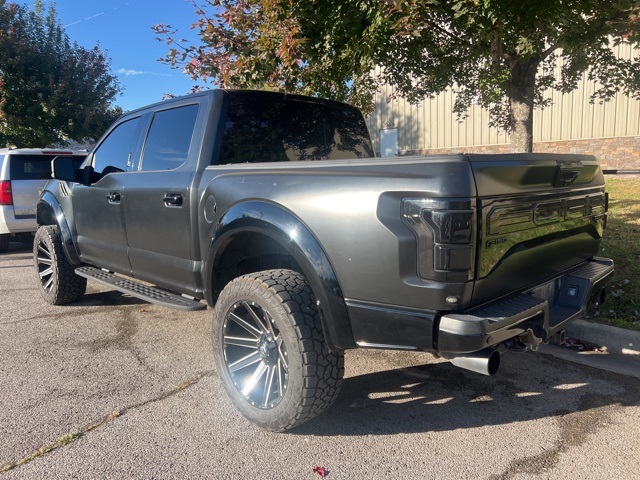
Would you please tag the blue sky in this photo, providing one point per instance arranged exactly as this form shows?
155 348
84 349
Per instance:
123 28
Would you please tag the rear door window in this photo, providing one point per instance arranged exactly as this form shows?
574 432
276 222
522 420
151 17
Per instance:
169 138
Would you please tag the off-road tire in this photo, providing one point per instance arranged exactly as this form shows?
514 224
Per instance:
311 381
55 275
4 242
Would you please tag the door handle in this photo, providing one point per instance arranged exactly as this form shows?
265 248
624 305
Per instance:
172 199
113 197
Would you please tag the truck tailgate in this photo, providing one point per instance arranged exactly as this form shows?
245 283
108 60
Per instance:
539 215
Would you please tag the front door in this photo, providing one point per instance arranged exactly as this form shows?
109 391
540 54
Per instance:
97 207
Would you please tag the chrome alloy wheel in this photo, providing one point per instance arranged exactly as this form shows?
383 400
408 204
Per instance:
56 276
255 354
44 263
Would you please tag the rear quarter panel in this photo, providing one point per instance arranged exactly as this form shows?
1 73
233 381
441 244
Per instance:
353 208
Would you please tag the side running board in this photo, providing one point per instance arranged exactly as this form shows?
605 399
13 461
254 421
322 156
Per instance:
144 292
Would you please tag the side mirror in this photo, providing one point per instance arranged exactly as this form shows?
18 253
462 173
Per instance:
64 168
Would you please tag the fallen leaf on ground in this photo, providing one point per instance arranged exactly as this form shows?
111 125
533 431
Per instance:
323 472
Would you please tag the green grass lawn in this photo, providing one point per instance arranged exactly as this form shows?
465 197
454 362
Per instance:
622 243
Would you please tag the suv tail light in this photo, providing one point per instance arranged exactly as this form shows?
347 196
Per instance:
446 232
6 196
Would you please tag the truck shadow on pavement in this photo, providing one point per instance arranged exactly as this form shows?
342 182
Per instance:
441 397
107 298
19 251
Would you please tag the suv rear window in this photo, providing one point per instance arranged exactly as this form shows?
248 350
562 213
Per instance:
267 131
34 167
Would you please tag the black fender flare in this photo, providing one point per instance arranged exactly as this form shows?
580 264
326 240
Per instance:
293 235
49 212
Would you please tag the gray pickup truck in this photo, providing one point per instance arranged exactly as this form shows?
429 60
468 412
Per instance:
272 209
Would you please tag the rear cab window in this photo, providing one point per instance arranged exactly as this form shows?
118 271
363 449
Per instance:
261 130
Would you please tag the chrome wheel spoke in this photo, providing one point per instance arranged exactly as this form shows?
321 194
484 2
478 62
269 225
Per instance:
281 353
253 357
270 326
269 385
281 384
45 261
248 327
45 273
241 342
44 250
250 384
256 318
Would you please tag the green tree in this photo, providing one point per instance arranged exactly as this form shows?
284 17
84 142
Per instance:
500 54
51 90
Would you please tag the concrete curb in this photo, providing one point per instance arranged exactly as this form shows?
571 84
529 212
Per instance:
618 341
622 354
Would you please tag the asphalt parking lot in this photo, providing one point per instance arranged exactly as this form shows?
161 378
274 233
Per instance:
112 387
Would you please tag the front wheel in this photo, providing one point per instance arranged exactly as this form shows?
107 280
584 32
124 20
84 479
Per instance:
56 277
270 351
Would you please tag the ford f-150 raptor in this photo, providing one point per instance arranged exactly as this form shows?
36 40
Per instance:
272 209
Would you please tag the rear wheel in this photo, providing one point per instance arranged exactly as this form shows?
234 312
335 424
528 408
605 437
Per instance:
270 350
58 282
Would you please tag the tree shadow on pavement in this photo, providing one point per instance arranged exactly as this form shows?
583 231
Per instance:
441 397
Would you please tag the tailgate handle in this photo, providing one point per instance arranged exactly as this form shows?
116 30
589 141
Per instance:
173 199
567 173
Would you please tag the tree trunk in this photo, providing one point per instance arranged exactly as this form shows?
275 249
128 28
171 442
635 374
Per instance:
521 92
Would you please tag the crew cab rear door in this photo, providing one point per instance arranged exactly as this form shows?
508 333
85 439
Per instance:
157 204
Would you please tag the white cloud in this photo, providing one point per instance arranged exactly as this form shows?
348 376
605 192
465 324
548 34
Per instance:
128 72
124 71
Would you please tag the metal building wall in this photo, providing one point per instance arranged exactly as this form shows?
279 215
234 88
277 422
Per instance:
432 125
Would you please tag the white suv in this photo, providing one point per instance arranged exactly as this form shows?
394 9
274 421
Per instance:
23 174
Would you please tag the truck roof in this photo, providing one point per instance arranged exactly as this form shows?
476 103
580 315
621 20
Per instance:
253 94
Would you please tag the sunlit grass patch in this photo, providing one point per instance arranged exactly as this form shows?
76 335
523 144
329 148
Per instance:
622 243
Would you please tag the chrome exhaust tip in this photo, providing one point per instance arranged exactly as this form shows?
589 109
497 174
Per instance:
485 361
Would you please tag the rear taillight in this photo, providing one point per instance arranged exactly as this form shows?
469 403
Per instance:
6 196
445 230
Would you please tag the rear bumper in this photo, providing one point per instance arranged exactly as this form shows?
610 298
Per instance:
540 311
10 224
